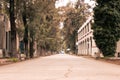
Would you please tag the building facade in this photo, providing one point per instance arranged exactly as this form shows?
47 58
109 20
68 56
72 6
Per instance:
4 35
86 43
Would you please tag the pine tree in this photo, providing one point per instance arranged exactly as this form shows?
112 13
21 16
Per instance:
107 25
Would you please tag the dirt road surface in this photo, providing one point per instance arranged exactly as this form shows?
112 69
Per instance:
60 67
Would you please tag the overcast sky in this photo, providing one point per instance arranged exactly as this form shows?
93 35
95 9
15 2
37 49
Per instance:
60 3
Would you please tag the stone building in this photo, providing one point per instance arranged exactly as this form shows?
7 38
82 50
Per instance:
118 49
4 35
86 44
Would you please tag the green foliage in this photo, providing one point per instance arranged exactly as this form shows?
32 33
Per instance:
44 27
34 21
107 25
13 59
74 20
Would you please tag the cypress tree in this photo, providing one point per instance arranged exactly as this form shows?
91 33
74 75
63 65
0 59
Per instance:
107 25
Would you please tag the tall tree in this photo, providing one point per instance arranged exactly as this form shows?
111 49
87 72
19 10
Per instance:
28 13
13 27
75 18
107 25
48 25
35 19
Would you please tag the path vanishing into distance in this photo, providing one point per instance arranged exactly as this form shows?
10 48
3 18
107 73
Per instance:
60 67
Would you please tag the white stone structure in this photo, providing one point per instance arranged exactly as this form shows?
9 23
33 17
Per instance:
4 35
86 43
118 49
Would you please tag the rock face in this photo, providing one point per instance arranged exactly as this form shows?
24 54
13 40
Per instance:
4 35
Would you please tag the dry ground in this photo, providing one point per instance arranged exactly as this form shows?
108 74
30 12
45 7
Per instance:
60 67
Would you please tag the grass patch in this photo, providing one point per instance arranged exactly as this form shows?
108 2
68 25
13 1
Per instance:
14 59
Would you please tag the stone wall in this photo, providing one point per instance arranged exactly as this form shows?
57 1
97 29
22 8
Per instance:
86 43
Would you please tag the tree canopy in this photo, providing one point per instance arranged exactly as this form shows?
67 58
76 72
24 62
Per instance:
34 21
75 17
107 25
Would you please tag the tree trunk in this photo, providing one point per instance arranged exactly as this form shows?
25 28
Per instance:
31 48
26 42
13 29
24 15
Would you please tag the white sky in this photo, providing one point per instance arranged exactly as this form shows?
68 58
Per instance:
60 3
61 25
